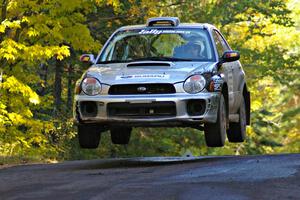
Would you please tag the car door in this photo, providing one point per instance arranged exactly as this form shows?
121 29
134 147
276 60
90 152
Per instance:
221 46
238 77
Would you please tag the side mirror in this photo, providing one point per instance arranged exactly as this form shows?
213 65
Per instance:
230 56
87 58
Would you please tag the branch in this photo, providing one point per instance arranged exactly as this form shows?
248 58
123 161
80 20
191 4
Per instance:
173 4
4 9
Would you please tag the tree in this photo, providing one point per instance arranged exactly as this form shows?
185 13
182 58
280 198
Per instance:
33 33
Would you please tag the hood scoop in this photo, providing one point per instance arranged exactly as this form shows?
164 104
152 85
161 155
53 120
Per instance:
149 64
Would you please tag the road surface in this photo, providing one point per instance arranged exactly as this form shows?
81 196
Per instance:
232 177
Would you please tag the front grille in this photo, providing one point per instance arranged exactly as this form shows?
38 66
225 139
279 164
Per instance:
156 88
163 109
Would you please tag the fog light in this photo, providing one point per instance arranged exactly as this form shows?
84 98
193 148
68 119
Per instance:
195 107
89 108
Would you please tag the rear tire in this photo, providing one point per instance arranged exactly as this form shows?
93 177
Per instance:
215 133
120 135
237 130
89 136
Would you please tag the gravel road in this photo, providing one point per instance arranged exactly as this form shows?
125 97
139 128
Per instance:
167 178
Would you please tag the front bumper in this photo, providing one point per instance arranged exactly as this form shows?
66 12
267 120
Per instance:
181 118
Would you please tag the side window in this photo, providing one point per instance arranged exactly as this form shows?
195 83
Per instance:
224 44
220 43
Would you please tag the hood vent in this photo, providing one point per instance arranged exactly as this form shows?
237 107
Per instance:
149 64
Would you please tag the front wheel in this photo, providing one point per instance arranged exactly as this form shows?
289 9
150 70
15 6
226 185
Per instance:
120 135
89 136
237 130
215 133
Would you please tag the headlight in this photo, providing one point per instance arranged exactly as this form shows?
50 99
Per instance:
194 84
91 86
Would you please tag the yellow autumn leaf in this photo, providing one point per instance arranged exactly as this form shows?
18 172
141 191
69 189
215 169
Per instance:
32 32
2 28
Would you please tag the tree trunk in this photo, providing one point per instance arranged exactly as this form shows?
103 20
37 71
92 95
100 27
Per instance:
70 84
43 73
3 17
58 86
4 10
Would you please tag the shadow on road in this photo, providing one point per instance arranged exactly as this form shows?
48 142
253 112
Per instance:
139 162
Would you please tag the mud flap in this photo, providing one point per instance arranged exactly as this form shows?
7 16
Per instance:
248 106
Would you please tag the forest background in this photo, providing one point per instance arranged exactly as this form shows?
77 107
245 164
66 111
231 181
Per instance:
40 45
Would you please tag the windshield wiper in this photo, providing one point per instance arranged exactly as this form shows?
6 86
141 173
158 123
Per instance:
153 58
161 59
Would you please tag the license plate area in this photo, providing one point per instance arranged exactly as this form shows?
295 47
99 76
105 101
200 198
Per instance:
127 109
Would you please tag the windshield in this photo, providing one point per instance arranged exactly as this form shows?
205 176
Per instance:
158 44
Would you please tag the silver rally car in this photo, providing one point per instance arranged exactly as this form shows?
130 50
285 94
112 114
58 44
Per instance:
165 74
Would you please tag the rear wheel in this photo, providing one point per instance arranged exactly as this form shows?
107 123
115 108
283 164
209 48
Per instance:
237 130
89 136
215 133
120 135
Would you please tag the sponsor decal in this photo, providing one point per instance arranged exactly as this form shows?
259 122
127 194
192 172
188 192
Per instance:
157 32
143 76
218 82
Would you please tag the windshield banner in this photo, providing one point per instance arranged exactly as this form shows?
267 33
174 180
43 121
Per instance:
157 32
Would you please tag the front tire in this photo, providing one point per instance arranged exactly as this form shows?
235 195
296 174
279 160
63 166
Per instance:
237 130
215 133
120 135
89 136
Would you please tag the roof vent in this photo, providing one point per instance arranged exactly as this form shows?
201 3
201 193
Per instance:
163 21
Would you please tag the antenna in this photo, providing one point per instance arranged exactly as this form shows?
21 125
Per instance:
1 75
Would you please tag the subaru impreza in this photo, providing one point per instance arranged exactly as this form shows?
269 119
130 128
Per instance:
163 74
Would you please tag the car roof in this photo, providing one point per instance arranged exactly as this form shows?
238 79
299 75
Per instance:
181 25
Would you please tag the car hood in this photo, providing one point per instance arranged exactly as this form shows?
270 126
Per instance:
147 72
